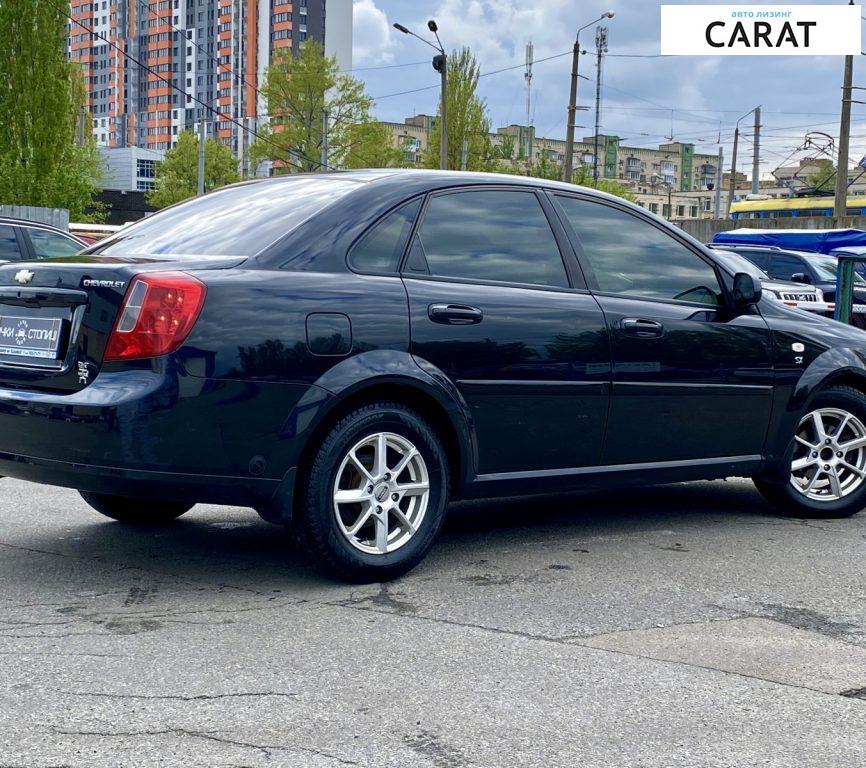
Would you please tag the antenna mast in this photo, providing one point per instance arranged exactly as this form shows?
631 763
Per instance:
527 75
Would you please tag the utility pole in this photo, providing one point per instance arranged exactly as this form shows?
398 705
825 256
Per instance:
568 166
325 117
82 127
527 75
841 204
572 109
718 206
756 160
733 182
600 48
464 152
202 138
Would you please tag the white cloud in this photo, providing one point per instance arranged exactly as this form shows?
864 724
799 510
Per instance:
372 39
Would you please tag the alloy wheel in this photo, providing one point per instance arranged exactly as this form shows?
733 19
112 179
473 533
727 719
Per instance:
829 460
381 493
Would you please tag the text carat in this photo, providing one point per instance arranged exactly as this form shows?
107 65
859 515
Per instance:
757 34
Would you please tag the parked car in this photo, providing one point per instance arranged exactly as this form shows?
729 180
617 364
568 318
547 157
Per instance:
806 268
791 294
22 240
346 352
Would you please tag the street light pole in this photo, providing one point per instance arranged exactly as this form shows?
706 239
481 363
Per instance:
440 64
572 99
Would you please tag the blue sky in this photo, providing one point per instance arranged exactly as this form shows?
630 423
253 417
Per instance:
644 99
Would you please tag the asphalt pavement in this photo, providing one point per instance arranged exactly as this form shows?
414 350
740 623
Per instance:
684 625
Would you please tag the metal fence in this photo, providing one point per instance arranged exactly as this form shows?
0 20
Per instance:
57 217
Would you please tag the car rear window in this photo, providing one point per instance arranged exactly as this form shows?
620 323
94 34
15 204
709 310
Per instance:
235 221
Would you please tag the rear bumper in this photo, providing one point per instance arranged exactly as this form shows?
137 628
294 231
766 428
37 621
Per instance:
154 432
213 489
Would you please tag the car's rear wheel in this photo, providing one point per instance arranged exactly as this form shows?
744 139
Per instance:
828 465
374 494
135 511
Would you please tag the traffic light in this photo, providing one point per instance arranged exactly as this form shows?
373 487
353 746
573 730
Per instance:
439 62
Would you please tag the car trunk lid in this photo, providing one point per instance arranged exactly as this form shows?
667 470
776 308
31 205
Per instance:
56 315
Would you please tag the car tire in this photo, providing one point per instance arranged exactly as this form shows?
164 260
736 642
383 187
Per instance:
136 511
796 503
345 487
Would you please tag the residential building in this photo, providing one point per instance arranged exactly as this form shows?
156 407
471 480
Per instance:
192 53
674 163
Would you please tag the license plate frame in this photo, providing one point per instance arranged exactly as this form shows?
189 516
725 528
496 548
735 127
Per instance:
30 338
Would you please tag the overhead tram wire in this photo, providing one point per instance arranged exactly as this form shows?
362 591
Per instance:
483 74
170 84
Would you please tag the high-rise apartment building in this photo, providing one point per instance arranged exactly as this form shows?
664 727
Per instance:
212 52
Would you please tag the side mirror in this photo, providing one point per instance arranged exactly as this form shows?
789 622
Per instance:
801 277
747 290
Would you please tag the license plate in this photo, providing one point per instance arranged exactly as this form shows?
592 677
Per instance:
34 337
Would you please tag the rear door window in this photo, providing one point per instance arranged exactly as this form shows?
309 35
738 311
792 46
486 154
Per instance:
782 266
499 235
47 244
9 250
760 259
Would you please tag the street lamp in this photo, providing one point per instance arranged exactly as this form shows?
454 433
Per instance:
440 64
572 99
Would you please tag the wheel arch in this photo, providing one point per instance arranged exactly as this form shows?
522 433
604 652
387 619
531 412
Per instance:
386 376
839 366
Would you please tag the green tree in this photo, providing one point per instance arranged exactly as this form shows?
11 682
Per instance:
505 149
370 145
177 176
546 168
583 176
299 89
467 119
823 179
42 100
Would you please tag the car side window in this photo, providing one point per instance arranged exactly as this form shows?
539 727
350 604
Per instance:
380 248
501 235
9 250
759 258
47 244
782 266
633 257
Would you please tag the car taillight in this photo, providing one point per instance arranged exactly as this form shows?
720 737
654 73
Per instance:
158 313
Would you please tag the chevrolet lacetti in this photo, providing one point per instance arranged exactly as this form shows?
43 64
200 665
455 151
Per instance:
346 352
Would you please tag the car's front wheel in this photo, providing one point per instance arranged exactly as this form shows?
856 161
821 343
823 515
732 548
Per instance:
828 465
374 494
135 511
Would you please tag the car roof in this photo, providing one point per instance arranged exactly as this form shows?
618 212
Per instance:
439 178
13 222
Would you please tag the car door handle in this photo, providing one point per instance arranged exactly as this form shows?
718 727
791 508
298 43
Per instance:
643 329
454 314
